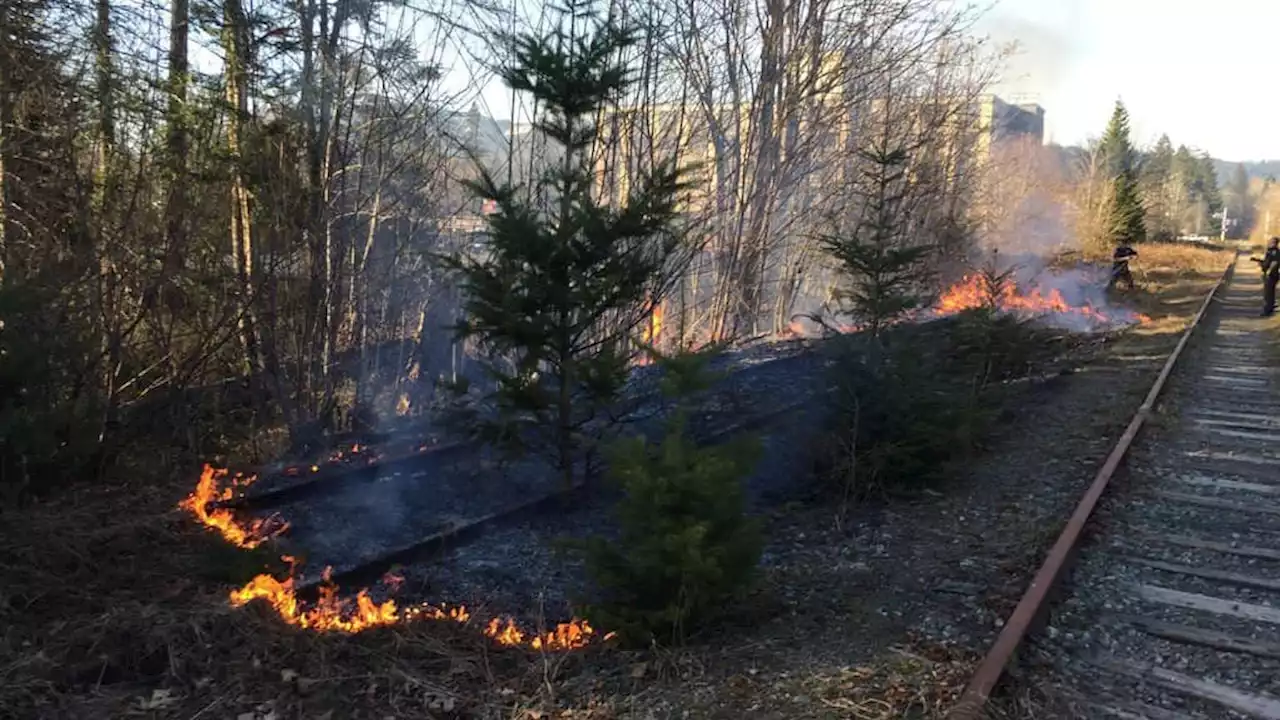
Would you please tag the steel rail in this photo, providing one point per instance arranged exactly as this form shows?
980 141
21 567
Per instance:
1034 603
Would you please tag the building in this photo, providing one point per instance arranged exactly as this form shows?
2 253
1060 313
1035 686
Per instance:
1000 121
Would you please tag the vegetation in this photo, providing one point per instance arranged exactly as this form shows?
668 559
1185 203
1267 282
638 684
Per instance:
686 548
218 255
1126 220
558 292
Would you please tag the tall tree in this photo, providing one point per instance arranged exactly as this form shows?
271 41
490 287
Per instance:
1126 222
1155 182
1239 202
559 290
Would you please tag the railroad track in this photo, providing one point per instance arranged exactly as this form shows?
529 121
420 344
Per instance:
1173 610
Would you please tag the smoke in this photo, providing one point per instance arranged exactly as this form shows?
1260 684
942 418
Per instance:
1040 58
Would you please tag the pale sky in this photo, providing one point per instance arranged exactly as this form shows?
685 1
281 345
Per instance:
1200 72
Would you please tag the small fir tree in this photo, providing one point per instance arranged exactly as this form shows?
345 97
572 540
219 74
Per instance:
882 270
558 291
686 546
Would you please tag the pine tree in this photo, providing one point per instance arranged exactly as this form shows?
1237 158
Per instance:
1207 183
1155 183
1126 223
558 292
1240 202
686 546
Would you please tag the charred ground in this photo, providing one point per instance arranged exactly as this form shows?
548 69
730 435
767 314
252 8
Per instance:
114 603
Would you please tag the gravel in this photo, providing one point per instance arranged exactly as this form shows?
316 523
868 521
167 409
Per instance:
1162 500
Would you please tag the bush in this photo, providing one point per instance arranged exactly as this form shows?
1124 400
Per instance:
902 409
686 546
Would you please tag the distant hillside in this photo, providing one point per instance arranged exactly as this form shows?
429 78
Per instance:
1255 168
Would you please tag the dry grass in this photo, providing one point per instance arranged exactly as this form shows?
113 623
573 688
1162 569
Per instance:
113 605
1167 260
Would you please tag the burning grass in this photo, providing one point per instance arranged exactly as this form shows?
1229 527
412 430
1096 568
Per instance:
111 606
332 612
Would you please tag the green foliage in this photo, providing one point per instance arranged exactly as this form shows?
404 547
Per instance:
686 546
559 290
882 270
901 410
48 428
1126 223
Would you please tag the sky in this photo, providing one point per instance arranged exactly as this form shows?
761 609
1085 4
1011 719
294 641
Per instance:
1179 70
1191 74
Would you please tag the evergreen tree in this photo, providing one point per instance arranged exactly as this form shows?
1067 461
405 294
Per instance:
557 293
686 546
1156 185
882 272
1240 203
1126 222
1207 184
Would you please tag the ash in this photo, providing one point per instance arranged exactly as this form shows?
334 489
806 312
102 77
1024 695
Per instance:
514 568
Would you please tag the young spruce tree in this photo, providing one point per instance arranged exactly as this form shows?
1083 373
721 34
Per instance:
686 546
1126 223
559 289
882 271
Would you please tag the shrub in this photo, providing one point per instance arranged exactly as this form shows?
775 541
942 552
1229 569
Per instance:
686 546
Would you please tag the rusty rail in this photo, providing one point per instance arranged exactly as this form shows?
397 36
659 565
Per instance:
1034 602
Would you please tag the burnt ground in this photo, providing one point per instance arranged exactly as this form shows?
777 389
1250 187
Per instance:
889 607
115 606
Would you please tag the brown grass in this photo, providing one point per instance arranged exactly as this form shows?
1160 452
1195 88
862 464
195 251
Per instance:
1163 259
113 605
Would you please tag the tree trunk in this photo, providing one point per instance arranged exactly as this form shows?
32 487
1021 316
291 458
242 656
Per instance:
236 47
177 140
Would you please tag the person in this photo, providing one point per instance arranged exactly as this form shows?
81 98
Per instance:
1270 263
1120 266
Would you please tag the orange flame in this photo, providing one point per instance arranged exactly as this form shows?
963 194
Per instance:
971 292
207 491
332 612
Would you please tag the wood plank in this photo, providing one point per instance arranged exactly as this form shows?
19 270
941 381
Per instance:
1207 573
1206 603
1228 548
1218 503
1263 707
1214 482
1258 437
1233 457
1201 637
1237 420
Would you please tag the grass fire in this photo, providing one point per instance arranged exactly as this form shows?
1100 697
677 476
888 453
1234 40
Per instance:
332 612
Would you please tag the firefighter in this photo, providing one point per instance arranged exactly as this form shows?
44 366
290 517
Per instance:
1270 263
1120 266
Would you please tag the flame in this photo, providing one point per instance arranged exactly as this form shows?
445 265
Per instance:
208 491
653 327
331 612
971 292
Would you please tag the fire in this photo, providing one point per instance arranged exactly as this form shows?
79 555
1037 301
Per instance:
208 491
971 293
653 327
331 612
